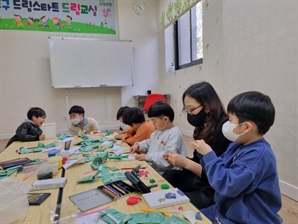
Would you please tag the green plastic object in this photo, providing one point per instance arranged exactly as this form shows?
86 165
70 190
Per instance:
114 168
50 145
174 219
83 136
64 136
147 217
109 132
152 181
165 186
88 178
101 158
113 216
106 179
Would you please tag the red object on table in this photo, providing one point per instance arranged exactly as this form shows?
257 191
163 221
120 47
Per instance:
132 200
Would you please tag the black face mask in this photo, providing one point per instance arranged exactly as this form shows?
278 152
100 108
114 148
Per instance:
198 119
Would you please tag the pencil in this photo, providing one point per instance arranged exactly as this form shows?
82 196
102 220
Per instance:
109 193
25 178
117 188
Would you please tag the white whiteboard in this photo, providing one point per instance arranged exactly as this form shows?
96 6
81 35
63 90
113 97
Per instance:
79 62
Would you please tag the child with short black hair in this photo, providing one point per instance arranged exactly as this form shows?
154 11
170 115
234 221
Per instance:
166 138
139 128
80 122
29 130
245 177
119 117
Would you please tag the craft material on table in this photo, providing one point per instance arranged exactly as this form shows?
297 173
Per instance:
158 199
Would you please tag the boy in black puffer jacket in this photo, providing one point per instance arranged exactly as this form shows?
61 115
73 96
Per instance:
29 130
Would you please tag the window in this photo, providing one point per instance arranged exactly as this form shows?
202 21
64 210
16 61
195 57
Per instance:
188 33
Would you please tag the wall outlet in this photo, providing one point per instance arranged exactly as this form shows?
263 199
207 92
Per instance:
64 118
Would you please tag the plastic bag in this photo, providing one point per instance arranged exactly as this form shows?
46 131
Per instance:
13 199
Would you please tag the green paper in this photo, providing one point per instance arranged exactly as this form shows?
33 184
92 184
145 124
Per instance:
174 219
83 136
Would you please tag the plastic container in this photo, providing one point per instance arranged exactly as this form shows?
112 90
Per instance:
54 159
65 155
53 152
47 171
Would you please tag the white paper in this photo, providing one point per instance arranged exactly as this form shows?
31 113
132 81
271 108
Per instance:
48 149
71 162
73 149
65 140
117 149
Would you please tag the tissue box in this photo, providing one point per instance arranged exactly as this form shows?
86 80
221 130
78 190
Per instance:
49 183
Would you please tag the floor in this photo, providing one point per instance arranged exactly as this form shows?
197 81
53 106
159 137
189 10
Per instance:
289 210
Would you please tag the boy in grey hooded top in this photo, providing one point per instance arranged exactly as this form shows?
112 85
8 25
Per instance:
29 130
167 138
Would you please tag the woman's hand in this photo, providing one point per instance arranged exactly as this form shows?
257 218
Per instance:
175 159
201 146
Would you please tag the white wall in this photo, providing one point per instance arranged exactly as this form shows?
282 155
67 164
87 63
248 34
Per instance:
211 70
260 53
25 74
252 46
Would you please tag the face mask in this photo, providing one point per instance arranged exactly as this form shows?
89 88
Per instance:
198 119
228 131
75 121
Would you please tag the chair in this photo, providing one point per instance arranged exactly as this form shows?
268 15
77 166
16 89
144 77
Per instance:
152 98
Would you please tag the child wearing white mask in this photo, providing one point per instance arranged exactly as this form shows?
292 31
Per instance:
80 122
245 177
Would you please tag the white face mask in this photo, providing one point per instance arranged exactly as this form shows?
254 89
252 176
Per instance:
228 131
75 121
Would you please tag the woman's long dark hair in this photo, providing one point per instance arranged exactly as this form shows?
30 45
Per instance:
205 94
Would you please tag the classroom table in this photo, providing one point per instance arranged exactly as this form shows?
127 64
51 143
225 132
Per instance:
41 214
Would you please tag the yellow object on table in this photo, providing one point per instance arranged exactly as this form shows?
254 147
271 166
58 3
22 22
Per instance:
54 159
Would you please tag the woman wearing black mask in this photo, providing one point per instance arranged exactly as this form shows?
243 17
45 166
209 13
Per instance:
206 113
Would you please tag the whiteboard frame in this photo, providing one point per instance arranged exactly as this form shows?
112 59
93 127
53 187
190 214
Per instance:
91 39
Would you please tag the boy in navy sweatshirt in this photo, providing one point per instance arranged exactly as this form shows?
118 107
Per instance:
245 177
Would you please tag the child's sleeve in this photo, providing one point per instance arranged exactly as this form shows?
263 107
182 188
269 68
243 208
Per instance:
141 134
228 181
144 145
172 145
23 133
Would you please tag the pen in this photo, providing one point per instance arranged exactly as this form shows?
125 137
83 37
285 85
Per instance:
88 213
129 168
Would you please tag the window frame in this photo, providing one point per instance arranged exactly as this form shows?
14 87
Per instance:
176 43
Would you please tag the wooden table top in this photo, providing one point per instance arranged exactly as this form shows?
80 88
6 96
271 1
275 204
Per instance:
41 214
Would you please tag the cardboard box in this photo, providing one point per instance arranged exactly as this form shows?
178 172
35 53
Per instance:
49 183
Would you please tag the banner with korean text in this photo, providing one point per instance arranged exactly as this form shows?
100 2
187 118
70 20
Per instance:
76 16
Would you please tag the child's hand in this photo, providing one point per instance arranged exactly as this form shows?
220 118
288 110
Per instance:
175 159
134 148
42 137
141 157
118 137
201 146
